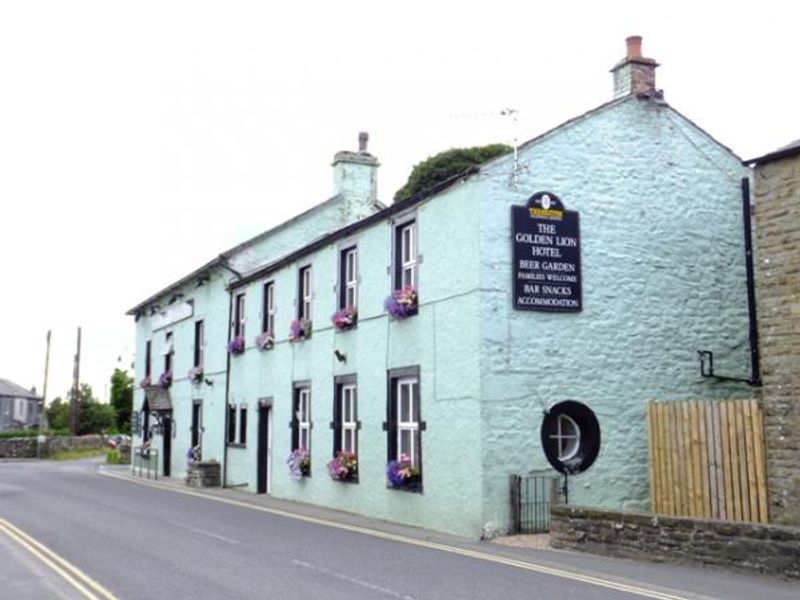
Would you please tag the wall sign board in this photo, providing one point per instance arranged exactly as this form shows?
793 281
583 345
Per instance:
547 255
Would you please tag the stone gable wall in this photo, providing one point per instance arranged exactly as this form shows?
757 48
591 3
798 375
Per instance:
777 264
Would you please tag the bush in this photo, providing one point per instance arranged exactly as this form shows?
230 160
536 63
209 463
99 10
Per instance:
113 458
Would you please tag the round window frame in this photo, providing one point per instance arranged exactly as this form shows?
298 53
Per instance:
588 447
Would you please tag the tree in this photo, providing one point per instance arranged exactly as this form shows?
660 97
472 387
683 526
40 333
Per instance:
443 166
122 399
93 416
58 415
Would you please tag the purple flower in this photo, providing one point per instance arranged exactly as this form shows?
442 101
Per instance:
343 466
165 380
344 318
299 329
402 303
236 345
400 472
195 374
265 340
145 382
299 463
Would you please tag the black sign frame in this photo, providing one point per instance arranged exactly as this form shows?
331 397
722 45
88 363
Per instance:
544 229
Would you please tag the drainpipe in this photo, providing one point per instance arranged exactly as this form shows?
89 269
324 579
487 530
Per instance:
226 265
755 368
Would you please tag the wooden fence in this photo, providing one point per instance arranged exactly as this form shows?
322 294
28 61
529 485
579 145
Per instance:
707 460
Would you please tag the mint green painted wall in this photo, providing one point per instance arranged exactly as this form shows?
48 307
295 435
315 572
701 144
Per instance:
663 277
442 340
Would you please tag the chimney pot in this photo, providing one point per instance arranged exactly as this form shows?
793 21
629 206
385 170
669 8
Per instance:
363 140
634 43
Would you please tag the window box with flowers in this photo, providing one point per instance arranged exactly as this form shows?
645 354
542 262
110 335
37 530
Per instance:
299 464
195 374
402 303
236 345
165 380
145 382
344 466
299 330
265 340
344 318
402 474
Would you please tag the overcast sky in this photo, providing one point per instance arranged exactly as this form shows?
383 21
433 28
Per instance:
140 139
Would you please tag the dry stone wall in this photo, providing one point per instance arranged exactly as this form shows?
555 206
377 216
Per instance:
26 447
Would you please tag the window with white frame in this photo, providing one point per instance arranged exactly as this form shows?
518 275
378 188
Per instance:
304 295
301 418
199 343
345 415
408 418
406 255
567 437
348 281
268 308
404 425
238 316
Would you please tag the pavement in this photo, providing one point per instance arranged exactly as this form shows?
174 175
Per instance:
143 539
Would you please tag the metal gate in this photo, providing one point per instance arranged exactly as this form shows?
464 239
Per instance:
531 497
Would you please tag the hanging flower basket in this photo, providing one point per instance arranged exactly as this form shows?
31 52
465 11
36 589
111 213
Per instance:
299 463
343 319
145 382
344 467
299 330
195 374
265 340
165 380
401 473
236 345
402 303
193 454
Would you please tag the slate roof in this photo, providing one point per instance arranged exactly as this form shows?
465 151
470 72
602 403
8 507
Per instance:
9 388
783 152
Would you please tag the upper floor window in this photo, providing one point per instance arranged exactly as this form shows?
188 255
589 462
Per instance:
148 358
304 294
348 278
268 308
238 316
406 255
199 343
169 349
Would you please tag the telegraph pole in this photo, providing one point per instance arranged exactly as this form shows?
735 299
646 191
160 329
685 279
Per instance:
43 413
74 405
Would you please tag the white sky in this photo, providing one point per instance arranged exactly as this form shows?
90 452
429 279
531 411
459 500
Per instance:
140 139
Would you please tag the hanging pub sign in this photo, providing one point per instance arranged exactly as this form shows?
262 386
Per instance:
547 255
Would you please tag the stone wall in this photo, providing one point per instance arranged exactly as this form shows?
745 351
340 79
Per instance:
26 447
751 547
777 216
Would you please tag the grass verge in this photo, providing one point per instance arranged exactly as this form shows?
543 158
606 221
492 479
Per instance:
78 454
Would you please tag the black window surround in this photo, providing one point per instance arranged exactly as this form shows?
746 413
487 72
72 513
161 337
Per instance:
199 335
344 251
391 423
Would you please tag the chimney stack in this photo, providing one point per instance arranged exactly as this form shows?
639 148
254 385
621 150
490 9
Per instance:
355 178
635 74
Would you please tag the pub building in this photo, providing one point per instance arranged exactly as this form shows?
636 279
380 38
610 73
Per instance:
360 358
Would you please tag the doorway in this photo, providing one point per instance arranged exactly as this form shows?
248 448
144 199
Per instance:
264 447
166 434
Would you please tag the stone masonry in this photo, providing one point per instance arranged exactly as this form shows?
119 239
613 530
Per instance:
750 547
777 264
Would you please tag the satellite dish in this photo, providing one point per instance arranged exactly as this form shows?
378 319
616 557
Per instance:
570 437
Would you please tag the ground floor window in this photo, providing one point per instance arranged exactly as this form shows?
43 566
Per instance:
301 417
404 428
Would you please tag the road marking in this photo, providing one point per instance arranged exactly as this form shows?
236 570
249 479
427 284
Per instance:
77 578
353 580
207 533
511 562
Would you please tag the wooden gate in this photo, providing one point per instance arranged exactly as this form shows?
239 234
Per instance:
707 459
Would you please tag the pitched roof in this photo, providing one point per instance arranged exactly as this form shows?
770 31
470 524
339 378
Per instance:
783 152
9 388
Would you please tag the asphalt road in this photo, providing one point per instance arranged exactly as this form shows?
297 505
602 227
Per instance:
140 542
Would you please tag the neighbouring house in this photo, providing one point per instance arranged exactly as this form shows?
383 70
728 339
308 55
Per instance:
777 219
429 339
19 407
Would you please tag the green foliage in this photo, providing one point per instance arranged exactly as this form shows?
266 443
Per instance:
444 165
77 454
93 416
113 458
58 414
122 399
15 433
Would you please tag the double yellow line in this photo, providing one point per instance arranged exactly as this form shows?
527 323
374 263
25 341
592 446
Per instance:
87 586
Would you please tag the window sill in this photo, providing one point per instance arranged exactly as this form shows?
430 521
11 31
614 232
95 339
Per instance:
236 445
411 488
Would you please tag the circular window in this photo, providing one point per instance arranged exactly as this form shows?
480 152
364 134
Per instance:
570 437
567 437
